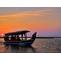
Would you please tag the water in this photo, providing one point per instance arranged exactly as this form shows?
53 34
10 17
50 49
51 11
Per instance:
52 45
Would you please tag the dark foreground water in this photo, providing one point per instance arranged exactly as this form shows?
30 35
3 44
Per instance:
50 45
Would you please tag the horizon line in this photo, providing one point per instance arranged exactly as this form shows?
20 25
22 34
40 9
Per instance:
39 37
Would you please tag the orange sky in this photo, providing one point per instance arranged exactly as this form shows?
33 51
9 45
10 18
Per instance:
37 20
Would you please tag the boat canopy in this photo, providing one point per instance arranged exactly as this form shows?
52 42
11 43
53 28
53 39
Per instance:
17 33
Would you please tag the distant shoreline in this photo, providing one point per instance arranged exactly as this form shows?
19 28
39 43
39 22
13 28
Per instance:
39 37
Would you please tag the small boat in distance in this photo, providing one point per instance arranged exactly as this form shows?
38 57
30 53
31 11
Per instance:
14 39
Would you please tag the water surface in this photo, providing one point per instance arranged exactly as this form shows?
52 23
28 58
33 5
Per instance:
44 45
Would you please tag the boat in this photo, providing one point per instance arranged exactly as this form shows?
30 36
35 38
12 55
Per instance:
13 39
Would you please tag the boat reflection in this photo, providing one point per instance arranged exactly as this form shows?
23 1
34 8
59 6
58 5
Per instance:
17 49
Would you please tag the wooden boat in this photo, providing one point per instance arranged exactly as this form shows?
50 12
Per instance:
15 41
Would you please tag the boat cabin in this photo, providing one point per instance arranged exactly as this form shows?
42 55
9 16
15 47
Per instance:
16 36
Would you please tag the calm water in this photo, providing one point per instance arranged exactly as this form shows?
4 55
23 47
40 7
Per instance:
39 46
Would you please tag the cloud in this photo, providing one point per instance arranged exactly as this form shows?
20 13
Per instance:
28 13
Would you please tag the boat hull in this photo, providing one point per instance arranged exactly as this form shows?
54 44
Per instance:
27 43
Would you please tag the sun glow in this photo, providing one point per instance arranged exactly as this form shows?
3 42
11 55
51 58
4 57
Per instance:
2 35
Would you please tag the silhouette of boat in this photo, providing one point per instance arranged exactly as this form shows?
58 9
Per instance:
13 39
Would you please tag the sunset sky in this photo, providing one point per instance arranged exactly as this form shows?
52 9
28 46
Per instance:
45 21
